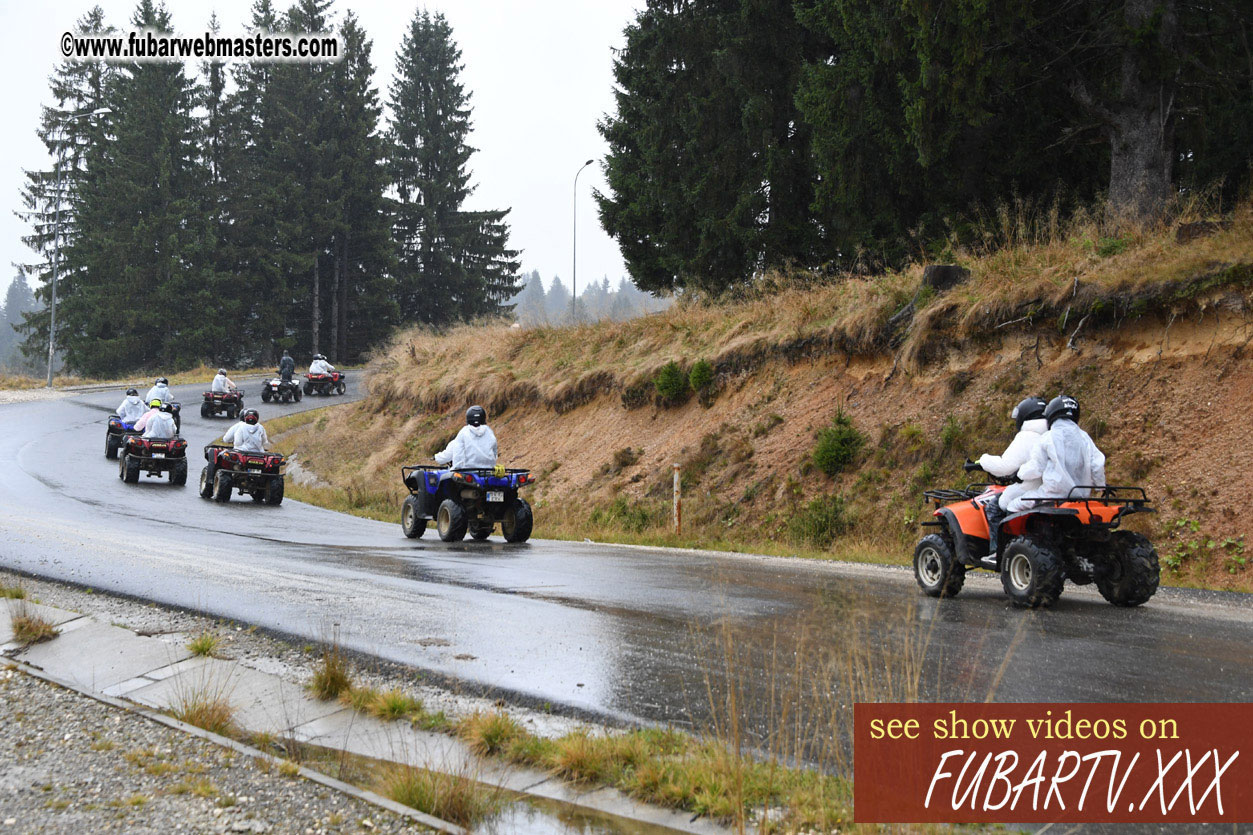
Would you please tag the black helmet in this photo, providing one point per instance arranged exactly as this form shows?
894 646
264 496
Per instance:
476 416
1030 409
132 392
250 416
161 381
1062 406
318 357
222 371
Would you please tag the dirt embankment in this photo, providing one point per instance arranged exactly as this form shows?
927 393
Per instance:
1153 340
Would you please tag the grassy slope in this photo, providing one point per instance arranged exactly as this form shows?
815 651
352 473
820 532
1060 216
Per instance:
1150 333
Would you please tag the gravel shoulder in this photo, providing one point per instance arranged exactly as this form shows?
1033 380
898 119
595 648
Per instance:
70 764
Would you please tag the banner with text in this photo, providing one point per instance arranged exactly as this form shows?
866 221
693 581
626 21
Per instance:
1040 763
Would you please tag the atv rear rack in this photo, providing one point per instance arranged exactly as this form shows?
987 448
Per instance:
1130 497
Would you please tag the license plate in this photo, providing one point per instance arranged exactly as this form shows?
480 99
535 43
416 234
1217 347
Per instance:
158 455
495 495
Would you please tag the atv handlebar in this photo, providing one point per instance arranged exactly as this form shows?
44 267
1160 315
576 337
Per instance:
971 466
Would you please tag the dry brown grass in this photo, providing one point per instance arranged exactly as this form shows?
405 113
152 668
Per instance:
332 676
30 627
457 798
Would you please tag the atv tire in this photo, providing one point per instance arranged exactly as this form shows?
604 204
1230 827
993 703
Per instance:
1032 573
178 475
286 396
222 486
274 492
451 521
206 409
410 521
265 395
517 522
1134 571
111 443
296 395
480 532
206 481
937 571
308 388
128 469
341 388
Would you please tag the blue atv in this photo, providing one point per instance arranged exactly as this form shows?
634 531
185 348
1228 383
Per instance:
466 500
115 435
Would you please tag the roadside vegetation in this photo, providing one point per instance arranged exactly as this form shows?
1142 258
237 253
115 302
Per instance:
833 403
28 626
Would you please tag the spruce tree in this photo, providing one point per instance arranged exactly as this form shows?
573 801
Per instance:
362 306
74 139
453 264
146 295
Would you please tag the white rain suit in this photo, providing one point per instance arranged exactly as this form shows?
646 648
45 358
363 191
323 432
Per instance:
221 384
157 424
159 392
132 409
247 437
473 448
320 367
1064 458
1015 455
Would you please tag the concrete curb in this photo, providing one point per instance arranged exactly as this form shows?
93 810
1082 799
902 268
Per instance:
247 750
141 674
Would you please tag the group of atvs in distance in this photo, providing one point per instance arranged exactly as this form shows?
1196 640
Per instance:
459 501
260 475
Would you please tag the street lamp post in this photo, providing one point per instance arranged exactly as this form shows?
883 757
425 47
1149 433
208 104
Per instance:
574 247
56 239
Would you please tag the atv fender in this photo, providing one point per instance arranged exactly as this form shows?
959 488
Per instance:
1015 523
961 542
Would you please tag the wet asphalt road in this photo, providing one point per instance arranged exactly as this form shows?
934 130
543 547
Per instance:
617 632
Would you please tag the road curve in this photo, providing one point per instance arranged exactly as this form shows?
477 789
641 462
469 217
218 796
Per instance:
628 633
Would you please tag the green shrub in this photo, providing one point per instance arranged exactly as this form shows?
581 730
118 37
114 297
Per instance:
1108 247
820 522
701 376
838 445
629 516
671 383
952 433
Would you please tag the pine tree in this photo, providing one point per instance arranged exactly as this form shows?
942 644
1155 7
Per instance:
50 198
18 301
363 258
308 148
557 302
454 265
259 189
144 293
528 304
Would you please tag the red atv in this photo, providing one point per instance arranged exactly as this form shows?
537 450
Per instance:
259 474
229 403
1075 538
332 383
154 456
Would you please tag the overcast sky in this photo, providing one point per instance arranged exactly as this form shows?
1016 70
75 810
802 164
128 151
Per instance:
540 75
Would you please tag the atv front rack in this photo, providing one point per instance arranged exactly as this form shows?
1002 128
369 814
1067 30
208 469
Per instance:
966 493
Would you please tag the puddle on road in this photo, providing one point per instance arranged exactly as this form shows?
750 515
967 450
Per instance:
533 816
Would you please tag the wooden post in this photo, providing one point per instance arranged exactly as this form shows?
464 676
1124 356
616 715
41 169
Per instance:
678 503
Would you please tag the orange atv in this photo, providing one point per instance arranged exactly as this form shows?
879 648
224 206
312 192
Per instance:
1075 538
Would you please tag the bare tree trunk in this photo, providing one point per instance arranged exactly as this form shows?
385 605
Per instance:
335 279
1141 120
343 302
317 313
